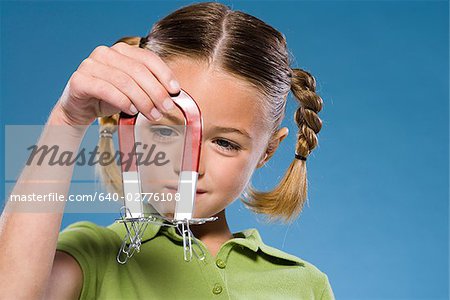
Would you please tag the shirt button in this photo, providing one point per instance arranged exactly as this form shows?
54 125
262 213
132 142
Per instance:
217 289
220 263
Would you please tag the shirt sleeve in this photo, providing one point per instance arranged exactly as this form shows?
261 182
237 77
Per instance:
327 293
90 245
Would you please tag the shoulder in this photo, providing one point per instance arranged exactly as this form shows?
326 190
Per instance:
88 227
83 225
93 247
290 275
85 230
86 240
305 273
304 267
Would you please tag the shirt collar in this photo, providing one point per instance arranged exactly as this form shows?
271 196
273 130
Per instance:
150 232
249 238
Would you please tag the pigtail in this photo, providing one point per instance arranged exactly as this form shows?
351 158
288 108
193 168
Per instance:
308 122
110 174
286 200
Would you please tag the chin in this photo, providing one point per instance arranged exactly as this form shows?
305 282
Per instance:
201 214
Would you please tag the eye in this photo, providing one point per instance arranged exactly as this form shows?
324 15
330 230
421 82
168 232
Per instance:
226 145
164 134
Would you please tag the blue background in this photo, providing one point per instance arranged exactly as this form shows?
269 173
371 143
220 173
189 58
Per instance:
377 219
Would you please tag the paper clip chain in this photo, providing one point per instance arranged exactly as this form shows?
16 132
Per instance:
135 228
133 238
188 238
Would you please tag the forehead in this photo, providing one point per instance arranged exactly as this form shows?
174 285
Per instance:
224 100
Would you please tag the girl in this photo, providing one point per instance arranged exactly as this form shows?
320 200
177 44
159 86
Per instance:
238 70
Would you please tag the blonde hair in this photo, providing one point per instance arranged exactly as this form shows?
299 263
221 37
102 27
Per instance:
251 50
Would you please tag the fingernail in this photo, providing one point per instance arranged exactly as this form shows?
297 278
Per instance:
168 104
155 114
174 84
133 109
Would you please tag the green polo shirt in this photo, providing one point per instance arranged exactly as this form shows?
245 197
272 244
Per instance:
244 268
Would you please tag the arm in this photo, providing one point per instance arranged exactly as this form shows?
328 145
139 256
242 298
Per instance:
105 83
66 278
28 239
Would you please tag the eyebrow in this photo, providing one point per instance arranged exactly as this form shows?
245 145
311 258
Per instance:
217 128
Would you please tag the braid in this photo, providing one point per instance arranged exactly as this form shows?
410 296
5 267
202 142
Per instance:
309 124
287 199
110 174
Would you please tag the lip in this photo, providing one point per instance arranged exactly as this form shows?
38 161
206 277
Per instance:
199 191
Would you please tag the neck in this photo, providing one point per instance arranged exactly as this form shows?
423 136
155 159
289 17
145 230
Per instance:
213 234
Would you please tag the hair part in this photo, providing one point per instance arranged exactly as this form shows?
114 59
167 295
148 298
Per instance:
251 50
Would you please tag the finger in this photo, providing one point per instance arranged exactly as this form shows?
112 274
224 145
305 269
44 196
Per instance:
106 109
153 62
124 83
140 74
86 86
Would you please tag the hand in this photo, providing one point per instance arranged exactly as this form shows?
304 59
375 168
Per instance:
118 78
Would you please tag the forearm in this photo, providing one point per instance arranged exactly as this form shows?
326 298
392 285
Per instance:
29 231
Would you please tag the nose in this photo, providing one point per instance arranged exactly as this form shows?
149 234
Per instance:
202 160
201 163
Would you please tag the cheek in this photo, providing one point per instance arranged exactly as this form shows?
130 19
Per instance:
231 175
228 177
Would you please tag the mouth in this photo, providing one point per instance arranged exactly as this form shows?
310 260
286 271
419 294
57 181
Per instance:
175 189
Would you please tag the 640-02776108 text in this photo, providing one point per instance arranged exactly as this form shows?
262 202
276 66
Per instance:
56 197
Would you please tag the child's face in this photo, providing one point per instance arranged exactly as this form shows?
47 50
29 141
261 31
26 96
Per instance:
225 102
